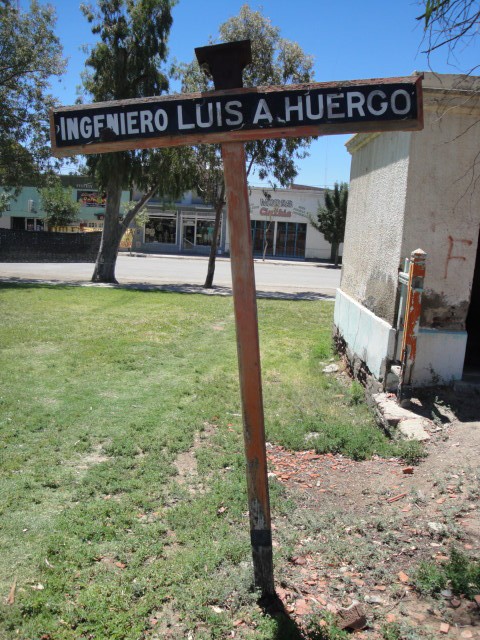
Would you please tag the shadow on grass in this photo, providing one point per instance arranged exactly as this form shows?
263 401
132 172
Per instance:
167 288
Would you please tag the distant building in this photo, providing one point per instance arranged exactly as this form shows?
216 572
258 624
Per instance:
25 211
279 221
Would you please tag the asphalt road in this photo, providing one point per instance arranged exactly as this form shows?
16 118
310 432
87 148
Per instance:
293 279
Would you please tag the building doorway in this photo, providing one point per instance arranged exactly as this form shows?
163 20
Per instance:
188 236
472 355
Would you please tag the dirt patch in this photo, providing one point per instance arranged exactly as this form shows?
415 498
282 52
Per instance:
93 457
186 462
360 529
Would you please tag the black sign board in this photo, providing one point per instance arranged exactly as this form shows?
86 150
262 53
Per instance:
242 114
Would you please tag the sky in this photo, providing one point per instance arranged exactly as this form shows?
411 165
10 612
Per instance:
349 39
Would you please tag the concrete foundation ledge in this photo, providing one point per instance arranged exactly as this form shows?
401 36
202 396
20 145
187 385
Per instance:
367 336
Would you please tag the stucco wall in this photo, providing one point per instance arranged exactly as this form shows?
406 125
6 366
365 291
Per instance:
374 230
442 213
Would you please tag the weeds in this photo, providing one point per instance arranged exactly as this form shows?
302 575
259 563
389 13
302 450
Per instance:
460 573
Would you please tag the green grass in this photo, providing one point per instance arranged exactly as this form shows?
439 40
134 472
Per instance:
101 390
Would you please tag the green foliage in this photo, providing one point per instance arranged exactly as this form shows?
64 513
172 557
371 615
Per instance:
461 573
127 63
429 579
357 392
31 54
332 217
325 628
275 61
58 204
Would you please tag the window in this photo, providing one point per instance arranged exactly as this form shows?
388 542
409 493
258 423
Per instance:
205 232
162 229
262 233
291 238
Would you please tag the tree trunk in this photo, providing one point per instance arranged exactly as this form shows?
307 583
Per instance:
111 235
334 252
213 249
337 251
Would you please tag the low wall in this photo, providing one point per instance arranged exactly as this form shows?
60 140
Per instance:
44 246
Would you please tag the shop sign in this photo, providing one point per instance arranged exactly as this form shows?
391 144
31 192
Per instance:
91 199
238 114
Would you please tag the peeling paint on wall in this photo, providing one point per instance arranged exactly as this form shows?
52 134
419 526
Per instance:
439 313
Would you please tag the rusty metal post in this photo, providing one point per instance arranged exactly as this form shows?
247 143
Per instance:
225 63
411 325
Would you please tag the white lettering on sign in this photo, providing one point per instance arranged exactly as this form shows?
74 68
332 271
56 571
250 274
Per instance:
229 108
262 112
181 124
355 100
342 105
275 213
298 108
394 103
208 123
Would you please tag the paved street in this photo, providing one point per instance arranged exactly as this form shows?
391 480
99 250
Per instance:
294 279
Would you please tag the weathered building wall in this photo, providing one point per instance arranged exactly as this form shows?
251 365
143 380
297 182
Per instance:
374 230
442 213
410 191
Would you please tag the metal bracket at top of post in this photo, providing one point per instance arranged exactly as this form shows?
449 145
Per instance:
225 62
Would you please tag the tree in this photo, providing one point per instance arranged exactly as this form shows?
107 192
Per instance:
332 217
275 61
30 54
126 63
58 204
447 23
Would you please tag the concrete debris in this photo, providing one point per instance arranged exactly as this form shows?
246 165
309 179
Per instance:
352 617
413 429
436 527
331 368
392 416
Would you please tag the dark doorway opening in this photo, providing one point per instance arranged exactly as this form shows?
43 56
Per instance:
472 356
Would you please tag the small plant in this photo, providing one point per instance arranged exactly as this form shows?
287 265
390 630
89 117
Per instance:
356 392
400 631
429 579
461 573
326 629
411 451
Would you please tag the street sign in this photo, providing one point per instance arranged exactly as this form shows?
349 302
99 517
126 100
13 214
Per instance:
232 115
239 115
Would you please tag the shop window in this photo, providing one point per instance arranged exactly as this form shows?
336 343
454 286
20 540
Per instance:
161 230
262 234
205 232
291 238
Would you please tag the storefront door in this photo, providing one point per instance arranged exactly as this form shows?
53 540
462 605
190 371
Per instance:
188 236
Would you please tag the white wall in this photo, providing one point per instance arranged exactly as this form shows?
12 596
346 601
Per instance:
410 191
374 229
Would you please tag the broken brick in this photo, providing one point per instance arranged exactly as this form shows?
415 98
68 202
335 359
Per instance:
352 617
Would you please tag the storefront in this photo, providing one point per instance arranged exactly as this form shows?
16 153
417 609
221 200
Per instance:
280 223
189 231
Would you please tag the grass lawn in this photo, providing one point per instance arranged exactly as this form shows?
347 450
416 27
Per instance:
103 392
